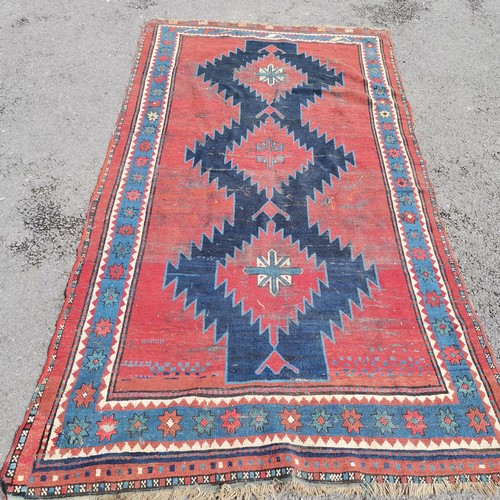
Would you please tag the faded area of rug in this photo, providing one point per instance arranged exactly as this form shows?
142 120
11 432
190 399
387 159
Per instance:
263 290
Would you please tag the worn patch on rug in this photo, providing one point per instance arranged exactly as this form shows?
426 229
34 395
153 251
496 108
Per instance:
263 289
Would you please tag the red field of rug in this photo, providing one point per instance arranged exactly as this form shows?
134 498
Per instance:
263 289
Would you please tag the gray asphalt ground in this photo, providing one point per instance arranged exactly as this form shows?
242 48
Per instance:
64 66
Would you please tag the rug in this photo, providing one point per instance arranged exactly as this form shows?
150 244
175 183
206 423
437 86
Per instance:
264 298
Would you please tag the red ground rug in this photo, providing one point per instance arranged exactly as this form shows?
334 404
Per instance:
264 296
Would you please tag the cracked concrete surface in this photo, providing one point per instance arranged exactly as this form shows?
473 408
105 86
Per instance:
65 66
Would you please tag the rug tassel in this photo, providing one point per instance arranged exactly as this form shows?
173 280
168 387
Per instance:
272 489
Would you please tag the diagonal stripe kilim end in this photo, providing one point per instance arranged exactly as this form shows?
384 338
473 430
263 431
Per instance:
263 290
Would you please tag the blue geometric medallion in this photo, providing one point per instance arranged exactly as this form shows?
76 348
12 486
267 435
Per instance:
295 351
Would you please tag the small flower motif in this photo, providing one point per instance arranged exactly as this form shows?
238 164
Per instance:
110 296
442 326
133 195
433 299
390 139
149 129
137 424
352 420
154 104
384 421
129 212
95 360
204 422
126 230
103 327
137 178
477 420
452 354
370 45
157 91
425 273
465 386
84 395
158 79
231 421
383 102
141 161
78 429
320 420
121 250
447 421
169 423
115 272
106 428
290 419
387 126
401 182
385 114
398 167
258 418
144 146
419 253
152 116
415 422
409 217
393 153
414 234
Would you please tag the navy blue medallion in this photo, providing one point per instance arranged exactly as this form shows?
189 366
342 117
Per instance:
271 82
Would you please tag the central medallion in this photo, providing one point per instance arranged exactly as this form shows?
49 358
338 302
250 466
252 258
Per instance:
273 146
270 164
286 279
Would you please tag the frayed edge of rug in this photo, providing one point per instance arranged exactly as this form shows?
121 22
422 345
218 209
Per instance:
275 488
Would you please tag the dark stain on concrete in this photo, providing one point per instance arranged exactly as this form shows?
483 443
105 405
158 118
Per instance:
141 4
44 18
23 21
52 232
393 11
476 5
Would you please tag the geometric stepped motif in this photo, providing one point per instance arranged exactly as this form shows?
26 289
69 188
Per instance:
270 77
291 281
270 192
269 156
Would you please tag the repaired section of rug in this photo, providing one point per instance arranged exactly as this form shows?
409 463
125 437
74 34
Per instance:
263 290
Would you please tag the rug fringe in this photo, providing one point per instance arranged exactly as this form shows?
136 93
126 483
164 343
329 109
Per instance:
276 488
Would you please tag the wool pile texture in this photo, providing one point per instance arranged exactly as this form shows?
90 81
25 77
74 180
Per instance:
264 298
